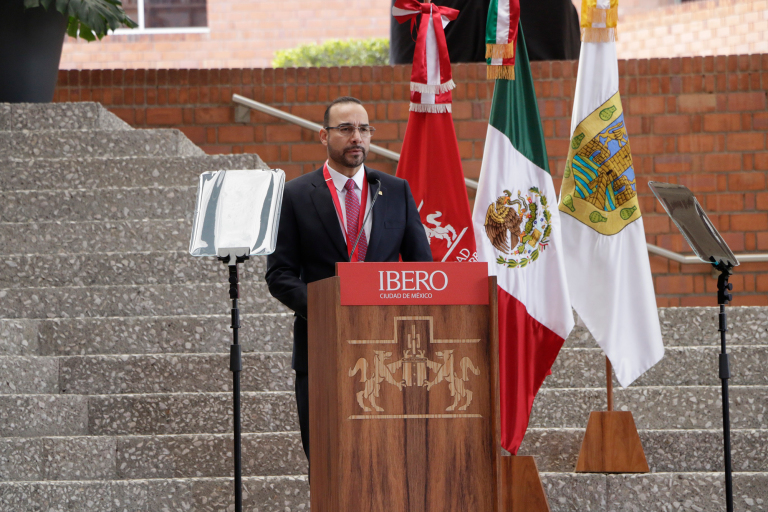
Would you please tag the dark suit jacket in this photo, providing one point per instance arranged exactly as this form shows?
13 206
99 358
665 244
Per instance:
310 241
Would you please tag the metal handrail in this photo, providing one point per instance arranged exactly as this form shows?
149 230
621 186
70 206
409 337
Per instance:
653 249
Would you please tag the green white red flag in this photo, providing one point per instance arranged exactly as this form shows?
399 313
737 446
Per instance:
517 231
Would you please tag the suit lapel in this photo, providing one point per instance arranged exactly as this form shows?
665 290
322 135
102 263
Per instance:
323 203
377 226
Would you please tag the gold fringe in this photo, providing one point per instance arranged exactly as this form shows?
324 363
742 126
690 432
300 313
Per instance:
500 51
599 35
610 17
500 72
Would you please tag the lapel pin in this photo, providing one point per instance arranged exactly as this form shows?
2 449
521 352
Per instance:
381 193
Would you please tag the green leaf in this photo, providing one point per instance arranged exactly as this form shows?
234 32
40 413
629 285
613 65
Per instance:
354 52
535 255
547 232
511 264
88 19
523 262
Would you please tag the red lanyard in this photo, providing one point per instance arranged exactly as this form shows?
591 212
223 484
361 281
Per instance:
337 204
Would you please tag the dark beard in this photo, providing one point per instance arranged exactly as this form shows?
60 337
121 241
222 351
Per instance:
347 159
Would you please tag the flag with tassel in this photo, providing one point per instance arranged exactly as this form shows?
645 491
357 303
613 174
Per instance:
430 159
431 80
501 38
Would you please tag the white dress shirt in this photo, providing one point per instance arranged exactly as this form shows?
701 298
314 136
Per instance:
339 180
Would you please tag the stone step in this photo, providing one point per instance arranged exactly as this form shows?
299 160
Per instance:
26 145
281 453
557 450
700 492
118 269
272 332
168 373
129 301
138 457
271 371
94 236
113 204
95 173
681 366
58 116
684 408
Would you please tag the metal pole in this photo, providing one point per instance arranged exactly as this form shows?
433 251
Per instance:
723 297
236 366
609 377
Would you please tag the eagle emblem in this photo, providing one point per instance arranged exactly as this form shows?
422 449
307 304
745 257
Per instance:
502 217
507 233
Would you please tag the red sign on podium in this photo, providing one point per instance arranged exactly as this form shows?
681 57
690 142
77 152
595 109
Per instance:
374 284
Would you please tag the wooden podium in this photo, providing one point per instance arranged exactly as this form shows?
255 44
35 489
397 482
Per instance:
403 383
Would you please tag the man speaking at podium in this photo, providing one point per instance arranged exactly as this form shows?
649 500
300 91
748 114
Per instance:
320 224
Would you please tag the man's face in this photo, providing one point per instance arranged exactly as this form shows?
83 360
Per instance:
351 150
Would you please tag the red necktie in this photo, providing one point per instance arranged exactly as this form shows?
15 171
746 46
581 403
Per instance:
352 204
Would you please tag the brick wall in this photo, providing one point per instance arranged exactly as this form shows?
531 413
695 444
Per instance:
697 121
245 34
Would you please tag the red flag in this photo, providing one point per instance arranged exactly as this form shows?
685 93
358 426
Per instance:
430 162
430 158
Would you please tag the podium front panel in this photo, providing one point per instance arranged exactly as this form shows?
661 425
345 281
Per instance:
406 421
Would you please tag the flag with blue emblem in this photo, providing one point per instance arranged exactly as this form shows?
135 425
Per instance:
606 260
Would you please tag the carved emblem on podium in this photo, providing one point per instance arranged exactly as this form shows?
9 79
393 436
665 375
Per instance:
414 369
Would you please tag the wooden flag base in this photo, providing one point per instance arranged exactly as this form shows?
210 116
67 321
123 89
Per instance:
521 486
611 445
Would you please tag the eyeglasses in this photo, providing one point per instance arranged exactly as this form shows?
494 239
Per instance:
347 130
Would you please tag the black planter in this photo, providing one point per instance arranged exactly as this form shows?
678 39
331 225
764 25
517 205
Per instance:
30 51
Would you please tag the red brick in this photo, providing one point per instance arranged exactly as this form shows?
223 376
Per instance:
671 124
746 101
722 122
668 285
745 141
218 115
672 163
308 153
230 134
722 162
749 222
690 103
699 143
746 181
284 133
644 105
164 116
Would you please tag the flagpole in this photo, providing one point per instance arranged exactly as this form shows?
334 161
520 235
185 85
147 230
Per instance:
609 377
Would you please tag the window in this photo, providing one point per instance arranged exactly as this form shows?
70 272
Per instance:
166 16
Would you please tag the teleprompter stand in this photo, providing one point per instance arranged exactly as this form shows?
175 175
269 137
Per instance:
723 298
236 366
709 246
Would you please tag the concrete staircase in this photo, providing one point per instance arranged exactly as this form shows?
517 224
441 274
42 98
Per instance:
114 381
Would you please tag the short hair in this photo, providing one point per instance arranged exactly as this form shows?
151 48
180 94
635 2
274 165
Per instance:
338 101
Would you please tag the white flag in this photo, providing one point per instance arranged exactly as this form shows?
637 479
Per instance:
606 260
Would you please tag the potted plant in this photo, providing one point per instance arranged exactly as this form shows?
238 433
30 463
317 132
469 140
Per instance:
32 36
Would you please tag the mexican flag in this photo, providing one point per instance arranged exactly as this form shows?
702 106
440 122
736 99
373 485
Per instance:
609 274
518 232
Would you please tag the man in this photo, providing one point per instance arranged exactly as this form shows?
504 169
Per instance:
319 226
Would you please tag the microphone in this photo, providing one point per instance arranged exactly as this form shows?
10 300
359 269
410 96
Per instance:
372 178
